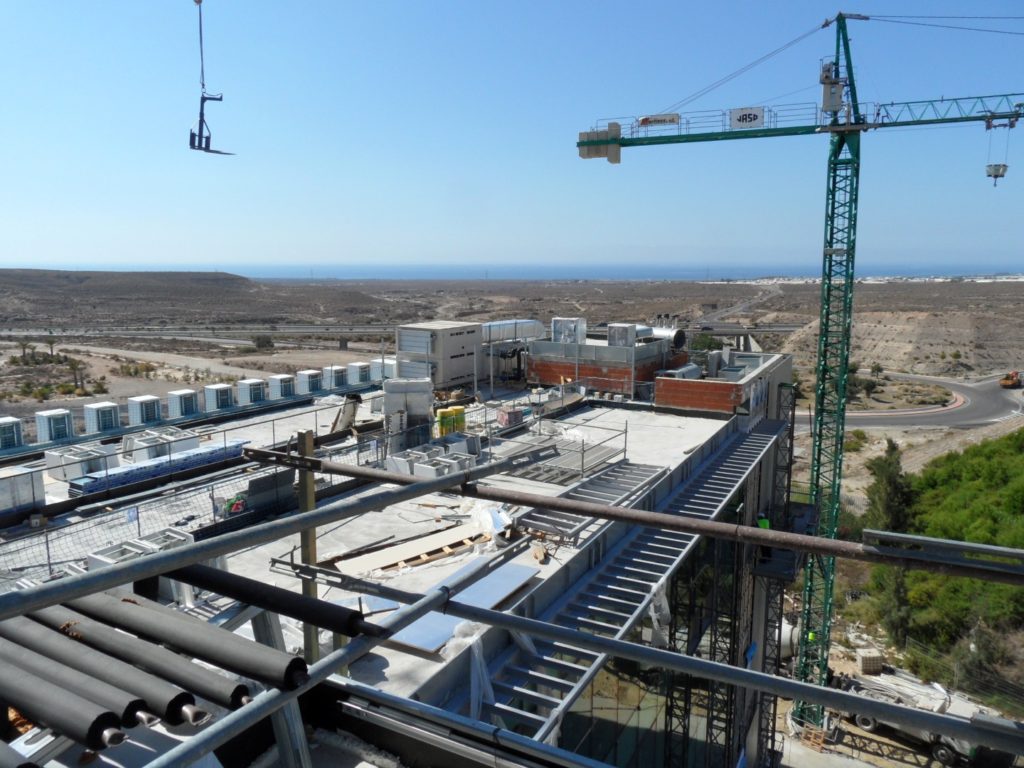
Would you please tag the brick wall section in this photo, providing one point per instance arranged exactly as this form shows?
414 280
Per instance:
697 394
609 377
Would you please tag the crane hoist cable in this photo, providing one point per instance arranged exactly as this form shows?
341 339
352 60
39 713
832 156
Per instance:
200 137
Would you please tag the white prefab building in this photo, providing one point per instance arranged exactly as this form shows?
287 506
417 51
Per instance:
10 432
54 425
444 351
281 385
251 391
182 402
216 397
143 409
335 376
308 382
101 417
358 373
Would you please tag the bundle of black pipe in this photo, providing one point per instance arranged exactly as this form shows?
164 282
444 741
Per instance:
196 638
131 709
321 614
174 705
11 758
43 702
97 640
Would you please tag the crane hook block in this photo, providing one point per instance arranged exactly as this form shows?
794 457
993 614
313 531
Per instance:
996 171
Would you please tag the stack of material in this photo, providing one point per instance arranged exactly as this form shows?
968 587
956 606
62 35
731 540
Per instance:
510 417
869 661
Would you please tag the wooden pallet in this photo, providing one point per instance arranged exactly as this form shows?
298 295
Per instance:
813 737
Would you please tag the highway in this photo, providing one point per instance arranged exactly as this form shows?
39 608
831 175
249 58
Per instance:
976 404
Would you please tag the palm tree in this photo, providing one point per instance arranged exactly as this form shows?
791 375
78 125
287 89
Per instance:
24 349
32 349
76 367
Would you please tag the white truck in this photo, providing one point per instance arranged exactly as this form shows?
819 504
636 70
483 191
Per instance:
899 687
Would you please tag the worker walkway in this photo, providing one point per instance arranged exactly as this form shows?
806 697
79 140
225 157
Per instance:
536 683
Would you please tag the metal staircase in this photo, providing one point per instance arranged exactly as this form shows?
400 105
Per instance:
535 683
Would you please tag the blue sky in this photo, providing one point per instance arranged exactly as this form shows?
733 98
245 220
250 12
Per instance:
376 136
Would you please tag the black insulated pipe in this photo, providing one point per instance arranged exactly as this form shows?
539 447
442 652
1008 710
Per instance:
196 638
11 758
160 696
123 651
44 703
319 613
131 709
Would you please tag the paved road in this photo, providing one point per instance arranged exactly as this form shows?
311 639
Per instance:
976 404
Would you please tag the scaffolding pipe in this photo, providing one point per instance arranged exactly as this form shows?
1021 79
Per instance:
748 534
318 613
21 601
131 709
273 699
196 638
126 661
995 732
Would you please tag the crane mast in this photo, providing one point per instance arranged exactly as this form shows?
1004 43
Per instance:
844 120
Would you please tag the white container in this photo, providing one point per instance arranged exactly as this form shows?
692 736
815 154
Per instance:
101 417
182 402
309 381
143 409
281 385
335 376
358 373
54 425
10 433
217 397
251 391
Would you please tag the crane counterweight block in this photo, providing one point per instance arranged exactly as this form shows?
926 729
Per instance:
603 143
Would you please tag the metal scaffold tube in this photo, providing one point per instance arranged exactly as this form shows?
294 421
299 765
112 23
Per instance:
995 732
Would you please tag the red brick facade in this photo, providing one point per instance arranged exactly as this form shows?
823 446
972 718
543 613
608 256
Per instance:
608 377
698 394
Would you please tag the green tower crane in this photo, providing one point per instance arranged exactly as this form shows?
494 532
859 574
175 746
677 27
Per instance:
844 120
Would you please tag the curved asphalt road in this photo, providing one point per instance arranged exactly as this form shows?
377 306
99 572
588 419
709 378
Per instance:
976 404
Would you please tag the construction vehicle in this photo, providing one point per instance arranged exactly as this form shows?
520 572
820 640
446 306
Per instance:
898 687
1010 380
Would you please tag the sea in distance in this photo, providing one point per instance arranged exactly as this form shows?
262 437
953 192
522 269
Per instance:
617 272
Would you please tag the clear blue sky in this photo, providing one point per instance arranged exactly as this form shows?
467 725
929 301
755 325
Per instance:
376 134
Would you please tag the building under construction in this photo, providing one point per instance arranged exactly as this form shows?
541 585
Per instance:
556 576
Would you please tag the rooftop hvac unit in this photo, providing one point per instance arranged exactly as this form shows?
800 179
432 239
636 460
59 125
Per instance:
10 432
358 373
169 589
118 553
251 391
308 382
382 368
53 425
622 335
217 397
281 385
511 330
73 461
101 417
144 409
182 402
569 330
688 371
335 376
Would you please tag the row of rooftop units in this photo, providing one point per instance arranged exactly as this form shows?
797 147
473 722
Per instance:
57 424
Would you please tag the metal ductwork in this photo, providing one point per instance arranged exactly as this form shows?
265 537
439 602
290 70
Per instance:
50 705
677 335
196 638
131 709
96 640
319 613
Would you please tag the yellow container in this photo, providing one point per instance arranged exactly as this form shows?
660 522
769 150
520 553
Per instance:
458 415
444 421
